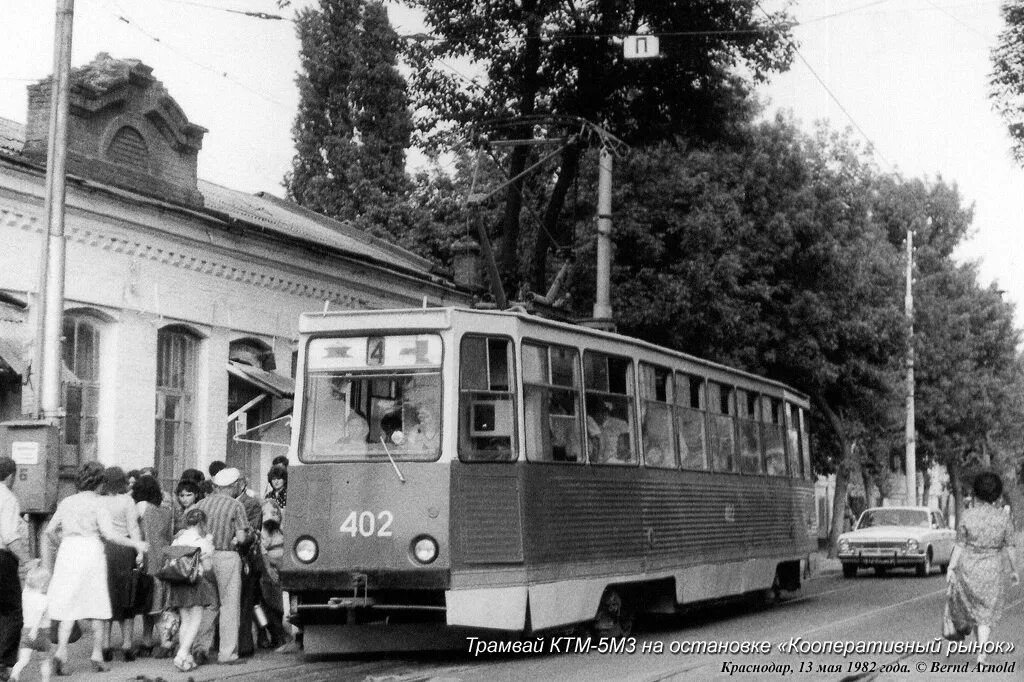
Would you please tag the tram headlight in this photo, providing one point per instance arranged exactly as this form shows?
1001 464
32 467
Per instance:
424 549
306 549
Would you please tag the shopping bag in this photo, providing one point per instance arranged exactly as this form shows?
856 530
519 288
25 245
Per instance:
180 565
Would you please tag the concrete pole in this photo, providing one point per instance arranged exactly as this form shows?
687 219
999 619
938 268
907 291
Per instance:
911 444
51 295
602 297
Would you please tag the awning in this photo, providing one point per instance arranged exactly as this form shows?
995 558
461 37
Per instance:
273 383
10 358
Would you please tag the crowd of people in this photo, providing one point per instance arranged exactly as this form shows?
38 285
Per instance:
103 552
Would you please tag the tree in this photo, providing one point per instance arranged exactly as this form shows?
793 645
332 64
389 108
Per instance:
1006 83
763 255
966 362
353 126
557 60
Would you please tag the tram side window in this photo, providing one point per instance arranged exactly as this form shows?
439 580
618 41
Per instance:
722 439
798 442
609 402
486 403
691 425
748 406
551 396
656 395
774 437
794 445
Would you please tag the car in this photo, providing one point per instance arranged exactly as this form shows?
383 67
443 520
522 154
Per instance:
897 537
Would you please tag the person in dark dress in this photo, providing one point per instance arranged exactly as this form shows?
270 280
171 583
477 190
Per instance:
13 552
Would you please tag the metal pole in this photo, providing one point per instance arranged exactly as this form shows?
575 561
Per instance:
602 297
51 295
911 454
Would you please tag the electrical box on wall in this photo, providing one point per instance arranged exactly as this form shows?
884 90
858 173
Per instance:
34 445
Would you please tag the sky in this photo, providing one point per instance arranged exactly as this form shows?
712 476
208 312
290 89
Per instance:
909 76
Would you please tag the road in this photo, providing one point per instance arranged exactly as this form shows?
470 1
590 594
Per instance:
898 607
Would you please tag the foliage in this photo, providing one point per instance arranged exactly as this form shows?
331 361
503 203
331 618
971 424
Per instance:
1006 83
558 59
353 126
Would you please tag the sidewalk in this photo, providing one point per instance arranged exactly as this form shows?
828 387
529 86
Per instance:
143 669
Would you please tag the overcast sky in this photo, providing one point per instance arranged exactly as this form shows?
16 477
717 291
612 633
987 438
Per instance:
911 74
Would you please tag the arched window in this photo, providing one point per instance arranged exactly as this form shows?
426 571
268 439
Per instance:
81 355
128 148
175 403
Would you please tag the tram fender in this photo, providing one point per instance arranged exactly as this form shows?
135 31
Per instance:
565 602
502 608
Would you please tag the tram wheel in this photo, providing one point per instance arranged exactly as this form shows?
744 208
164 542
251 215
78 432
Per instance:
614 616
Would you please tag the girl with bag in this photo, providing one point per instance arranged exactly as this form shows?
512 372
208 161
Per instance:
190 598
977 575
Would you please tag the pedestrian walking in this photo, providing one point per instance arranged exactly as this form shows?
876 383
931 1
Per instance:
35 636
122 579
977 575
155 521
249 551
78 589
13 554
228 525
190 599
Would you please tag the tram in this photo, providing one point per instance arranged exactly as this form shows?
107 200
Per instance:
480 471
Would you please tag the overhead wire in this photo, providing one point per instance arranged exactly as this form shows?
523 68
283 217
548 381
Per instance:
123 17
835 99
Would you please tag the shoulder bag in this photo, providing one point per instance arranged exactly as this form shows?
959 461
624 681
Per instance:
180 565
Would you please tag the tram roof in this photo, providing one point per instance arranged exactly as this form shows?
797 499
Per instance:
441 318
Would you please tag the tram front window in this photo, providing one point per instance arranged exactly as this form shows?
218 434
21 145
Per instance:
371 398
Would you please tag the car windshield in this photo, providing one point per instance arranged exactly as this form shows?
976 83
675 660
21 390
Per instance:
894 517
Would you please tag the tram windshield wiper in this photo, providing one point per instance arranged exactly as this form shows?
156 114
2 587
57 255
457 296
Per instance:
392 459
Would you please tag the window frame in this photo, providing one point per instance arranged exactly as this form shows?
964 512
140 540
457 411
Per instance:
185 432
512 392
577 391
669 407
631 402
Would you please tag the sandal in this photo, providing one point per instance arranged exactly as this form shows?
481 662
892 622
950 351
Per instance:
185 664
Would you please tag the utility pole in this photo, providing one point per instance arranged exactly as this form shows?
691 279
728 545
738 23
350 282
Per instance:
602 297
911 432
51 280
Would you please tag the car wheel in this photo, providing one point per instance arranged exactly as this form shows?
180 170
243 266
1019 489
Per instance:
881 570
849 570
925 568
943 568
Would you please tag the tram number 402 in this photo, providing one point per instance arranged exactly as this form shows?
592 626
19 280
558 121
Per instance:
368 524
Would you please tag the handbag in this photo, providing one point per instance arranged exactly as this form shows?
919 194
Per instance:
955 621
180 565
141 591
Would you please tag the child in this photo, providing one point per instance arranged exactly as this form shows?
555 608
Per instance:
35 636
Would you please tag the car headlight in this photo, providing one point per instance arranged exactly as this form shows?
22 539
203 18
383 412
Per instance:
844 545
424 549
306 549
911 545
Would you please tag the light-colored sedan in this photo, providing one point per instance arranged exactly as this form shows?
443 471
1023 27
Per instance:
891 537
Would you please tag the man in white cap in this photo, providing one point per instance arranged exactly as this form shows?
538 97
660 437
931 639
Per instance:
227 522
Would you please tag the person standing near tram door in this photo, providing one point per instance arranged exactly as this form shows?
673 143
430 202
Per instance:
13 557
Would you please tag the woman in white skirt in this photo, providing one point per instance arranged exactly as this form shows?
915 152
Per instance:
78 589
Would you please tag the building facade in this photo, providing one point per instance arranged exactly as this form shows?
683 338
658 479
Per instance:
181 297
